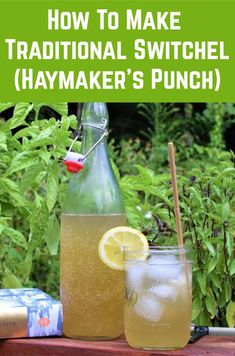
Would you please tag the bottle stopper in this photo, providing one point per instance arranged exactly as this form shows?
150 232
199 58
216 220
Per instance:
74 162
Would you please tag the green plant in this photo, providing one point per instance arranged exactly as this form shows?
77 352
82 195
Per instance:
207 197
32 186
193 131
127 154
31 191
159 132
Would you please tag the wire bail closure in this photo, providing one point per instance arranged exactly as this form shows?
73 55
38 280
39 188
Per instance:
74 161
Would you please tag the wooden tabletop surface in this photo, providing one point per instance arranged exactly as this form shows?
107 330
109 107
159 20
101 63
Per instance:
208 345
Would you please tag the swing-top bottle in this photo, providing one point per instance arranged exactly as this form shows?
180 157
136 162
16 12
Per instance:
92 294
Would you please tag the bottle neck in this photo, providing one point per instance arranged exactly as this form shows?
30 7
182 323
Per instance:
94 142
94 122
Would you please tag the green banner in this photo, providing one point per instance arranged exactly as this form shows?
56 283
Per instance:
117 51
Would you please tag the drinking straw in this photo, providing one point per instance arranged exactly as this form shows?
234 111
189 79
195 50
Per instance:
177 210
175 194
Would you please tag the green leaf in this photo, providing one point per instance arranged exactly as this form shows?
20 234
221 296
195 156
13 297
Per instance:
20 113
211 304
3 147
228 291
45 156
11 188
195 195
26 132
225 172
3 137
38 221
13 146
204 317
145 173
115 170
52 184
232 268
29 176
216 190
27 265
210 247
214 277
37 253
5 106
196 307
16 236
220 261
10 280
201 278
52 236
42 139
63 133
229 243
225 211
65 123
230 314
213 263
69 121
23 160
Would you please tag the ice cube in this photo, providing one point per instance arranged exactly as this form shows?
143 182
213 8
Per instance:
185 277
164 260
166 269
135 274
164 292
149 307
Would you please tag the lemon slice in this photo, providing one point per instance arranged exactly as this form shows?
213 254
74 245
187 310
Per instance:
111 246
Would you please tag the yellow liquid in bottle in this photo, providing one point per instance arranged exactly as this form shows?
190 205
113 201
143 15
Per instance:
92 294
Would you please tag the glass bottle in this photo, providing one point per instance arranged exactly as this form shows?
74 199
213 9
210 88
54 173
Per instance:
92 294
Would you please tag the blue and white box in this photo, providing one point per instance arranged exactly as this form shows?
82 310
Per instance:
29 312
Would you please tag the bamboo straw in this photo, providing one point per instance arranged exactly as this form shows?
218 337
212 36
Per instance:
177 211
175 194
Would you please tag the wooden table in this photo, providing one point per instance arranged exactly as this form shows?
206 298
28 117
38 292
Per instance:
208 345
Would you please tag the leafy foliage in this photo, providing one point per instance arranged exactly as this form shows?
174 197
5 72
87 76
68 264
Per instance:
32 186
31 189
207 188
207 199
198 134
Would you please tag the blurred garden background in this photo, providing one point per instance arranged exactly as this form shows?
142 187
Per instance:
33 180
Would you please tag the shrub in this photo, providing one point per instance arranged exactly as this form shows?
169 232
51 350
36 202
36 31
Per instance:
207 199
32 186
31 191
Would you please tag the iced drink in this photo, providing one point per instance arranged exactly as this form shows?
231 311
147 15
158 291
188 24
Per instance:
158 302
